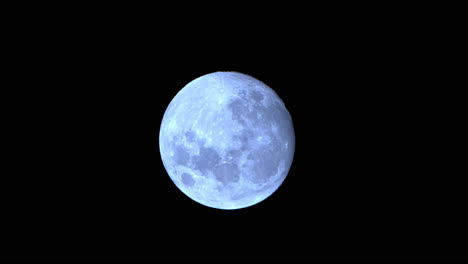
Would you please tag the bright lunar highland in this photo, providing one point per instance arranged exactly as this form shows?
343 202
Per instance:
227 140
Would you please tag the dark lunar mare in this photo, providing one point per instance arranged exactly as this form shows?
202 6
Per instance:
207 160
187 179
266 159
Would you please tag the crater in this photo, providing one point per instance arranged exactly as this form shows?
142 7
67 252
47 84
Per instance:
187 179
227 173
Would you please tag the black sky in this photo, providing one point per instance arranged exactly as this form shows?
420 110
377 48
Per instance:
371 175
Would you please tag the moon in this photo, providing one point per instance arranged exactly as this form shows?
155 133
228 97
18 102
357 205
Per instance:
227 140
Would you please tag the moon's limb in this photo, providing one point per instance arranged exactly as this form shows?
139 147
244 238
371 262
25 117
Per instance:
227 140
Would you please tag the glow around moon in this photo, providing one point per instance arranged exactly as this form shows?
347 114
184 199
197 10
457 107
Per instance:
227 140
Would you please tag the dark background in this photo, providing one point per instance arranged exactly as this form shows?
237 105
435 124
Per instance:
374 175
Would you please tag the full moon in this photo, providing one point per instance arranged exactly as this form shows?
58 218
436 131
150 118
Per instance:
227 140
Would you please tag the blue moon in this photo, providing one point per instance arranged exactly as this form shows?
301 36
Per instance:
227 140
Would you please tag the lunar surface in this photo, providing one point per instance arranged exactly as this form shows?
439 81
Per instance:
227 140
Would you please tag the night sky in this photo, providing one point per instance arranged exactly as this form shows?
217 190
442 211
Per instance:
371 178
